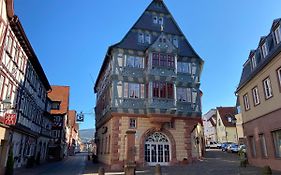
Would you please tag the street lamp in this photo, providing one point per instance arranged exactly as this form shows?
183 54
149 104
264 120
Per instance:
234 121
6 104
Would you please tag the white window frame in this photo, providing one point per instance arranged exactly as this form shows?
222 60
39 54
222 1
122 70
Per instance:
155 19
129 87
256 97
148 38
254 62
184 94
161 20
263 145
277 145
264 49
279 76
267 88
2 81
134 61
141 37
246 102
133 123
277 34
176 42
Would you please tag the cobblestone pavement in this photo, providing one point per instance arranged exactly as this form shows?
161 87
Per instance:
72 165
216 162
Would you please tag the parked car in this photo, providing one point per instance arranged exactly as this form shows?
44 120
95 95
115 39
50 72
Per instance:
233 148
213 145
219 145
225 145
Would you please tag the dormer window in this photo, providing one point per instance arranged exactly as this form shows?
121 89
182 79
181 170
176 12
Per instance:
277 34
161 20
141 38
264 49
147 38
155 20
176 42
229 119
158 20
254 62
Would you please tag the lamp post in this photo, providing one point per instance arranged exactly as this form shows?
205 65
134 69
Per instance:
234 121
6 105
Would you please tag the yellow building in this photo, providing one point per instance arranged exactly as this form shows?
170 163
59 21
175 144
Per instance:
259 93
226 130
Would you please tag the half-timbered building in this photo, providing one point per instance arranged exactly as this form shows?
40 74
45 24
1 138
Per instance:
149 83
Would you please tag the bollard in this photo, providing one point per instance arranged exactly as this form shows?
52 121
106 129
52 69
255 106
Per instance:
101 171
158 170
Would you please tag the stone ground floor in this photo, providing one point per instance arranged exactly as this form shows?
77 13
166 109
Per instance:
263 138
149 140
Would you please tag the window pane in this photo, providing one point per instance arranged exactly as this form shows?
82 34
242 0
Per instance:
279 75
252 146
263 145
1 84
277 142
277 35
182 94
163 60
134 90
155 59
130 61
163 90
170 91
155 90
267 88
138 62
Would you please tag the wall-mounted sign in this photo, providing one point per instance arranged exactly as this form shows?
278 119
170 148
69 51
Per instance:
80 117
10 119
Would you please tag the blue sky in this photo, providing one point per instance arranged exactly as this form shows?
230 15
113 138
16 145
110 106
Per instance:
71 37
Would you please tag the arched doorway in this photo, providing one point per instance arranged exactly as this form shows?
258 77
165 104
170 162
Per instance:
157 149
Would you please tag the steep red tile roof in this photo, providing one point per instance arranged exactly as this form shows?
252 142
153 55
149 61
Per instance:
60 94
225 112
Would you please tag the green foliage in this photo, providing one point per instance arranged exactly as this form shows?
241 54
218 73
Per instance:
10 163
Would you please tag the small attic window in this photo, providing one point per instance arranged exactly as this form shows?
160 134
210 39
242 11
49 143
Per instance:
159 5
155 20
161 20
264 49
277 34
176 42
147 38
229 119
254 62
141 38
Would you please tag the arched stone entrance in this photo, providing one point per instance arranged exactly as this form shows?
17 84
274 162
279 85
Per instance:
157 147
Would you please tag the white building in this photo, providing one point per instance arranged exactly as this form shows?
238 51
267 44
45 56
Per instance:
209 124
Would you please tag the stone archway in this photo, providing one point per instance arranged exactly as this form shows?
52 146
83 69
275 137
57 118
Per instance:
172 144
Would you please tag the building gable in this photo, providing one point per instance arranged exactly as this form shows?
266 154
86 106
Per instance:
155 19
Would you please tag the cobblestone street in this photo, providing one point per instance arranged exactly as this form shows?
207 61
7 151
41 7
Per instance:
216 162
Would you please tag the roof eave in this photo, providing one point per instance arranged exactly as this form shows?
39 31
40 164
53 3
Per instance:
22 38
